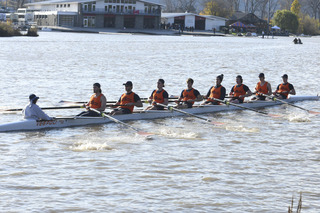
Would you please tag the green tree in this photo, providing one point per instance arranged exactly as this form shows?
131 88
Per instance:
311 26
295 7
215 8
286 20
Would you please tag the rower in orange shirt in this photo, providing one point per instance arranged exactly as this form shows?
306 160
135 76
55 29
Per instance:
97 101
239 91
262 87
284 89
158 96
218 91
188 96
127 101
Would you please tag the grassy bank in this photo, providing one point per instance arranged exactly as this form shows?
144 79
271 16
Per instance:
7 31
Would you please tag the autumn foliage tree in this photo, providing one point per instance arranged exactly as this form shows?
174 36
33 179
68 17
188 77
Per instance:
286 20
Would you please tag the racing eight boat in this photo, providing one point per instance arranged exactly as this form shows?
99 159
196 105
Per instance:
31 125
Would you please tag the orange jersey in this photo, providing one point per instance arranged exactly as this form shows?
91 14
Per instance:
239 90
284 88
262 89
127 98
95 102
215 93
158 97
188 94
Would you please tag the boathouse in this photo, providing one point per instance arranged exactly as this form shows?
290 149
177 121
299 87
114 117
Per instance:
138 14
198 22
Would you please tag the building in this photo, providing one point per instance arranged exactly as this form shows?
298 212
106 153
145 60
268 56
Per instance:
138 14
198 22
248 19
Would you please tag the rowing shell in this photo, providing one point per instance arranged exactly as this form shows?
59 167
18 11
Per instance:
29 125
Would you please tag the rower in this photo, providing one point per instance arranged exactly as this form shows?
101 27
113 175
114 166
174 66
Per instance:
33 111
97 101
158 96
262 87
239 91
127 101
188 96
284 89
218 91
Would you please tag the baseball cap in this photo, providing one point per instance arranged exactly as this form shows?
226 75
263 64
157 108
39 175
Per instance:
128 83
33 97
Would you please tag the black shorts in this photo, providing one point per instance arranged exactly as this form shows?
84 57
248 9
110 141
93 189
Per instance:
123 110
240 100
212 102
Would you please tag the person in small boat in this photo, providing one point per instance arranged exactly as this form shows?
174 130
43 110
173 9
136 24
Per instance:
239 91
263 87
127 101
218 91
158 95
295 41
33 111
97 101
284 89
188 96
299 41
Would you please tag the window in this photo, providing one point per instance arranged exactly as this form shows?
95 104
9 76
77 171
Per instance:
93 7
65 5
68 5
57 5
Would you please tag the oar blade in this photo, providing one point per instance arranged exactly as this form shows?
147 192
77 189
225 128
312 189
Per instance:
275 115
313 112
146 134
217 123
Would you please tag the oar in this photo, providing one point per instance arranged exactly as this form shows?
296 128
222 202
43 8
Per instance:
108 102
44 108
122 123
243 107
285 102
65 107
190 114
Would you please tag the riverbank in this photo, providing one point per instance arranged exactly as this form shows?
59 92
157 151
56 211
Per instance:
133 31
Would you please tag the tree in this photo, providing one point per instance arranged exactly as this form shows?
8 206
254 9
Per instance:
295 7
310 25
286 20
216 8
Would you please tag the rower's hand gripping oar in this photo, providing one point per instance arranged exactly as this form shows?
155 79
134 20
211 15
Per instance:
285 102
243 107
190 114
122 123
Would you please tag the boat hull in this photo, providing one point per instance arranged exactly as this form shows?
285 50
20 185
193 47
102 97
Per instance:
31 125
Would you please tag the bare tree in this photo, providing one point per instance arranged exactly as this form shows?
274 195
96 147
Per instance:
314 6
187 5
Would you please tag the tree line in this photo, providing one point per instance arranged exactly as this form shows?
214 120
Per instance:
224 8
296 16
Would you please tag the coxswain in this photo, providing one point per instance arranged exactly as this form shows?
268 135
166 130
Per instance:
97 101
239 91
188 96
284 89
158 96
262 87
215 92
127 101
33 111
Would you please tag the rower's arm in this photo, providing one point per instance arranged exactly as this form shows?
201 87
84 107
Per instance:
103 103
292 92
269 89
165 101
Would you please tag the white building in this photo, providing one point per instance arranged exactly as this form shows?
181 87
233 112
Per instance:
97 13
198 22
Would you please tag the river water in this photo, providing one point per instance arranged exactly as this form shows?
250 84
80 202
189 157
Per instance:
252 163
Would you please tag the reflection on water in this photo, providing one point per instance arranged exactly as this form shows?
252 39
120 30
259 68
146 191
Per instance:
251 163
